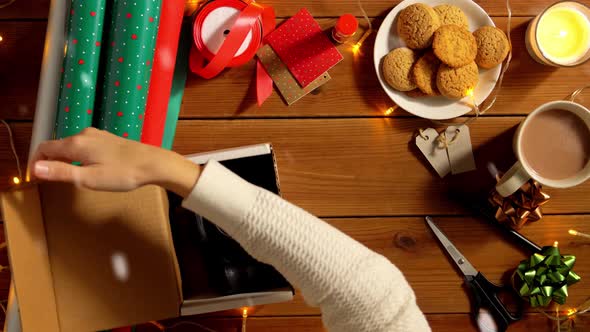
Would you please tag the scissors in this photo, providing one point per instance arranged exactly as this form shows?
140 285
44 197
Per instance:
489 312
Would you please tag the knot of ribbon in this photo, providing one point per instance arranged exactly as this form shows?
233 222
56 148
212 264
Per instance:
545 277
522 206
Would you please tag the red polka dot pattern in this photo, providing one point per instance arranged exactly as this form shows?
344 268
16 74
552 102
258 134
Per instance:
133 38
85 25
304 48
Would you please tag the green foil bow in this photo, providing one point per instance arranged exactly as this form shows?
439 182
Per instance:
545 277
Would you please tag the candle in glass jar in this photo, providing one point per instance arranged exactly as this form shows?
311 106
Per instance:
563 35
560 35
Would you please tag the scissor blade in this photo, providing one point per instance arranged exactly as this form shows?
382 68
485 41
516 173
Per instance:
457 257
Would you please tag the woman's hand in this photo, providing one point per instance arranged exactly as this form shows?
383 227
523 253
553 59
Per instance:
111 163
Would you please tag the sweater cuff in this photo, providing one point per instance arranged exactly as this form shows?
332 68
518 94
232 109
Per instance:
221 196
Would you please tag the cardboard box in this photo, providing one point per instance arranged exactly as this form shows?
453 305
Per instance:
85 261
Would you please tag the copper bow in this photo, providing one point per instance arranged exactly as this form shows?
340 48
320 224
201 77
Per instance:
522 206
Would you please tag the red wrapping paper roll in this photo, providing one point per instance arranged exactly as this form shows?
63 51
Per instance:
162 72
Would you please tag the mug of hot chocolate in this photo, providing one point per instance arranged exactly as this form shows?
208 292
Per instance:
552 146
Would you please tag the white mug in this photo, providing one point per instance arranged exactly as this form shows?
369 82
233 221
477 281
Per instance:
521 172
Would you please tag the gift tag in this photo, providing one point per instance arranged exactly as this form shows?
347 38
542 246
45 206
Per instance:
436 156
282 77
459 149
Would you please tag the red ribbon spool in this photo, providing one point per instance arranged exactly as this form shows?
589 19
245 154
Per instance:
220 43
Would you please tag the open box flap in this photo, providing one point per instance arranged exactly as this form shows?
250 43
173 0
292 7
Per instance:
29 261
111 257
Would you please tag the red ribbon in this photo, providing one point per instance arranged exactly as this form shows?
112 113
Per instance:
263 83
254 19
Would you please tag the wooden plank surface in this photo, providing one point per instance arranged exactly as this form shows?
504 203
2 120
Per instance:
352 167
357 167
25 9
339 158
408 244
38 9
438 323
21 51
354 90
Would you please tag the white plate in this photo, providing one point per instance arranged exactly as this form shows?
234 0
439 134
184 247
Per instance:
436 108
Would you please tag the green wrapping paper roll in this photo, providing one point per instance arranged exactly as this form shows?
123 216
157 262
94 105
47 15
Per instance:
75 105
131 44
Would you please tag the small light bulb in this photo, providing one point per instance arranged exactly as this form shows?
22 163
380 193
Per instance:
470 92
580 234
356 47
570 312
555 244
16 180
1 38
245 312
389 111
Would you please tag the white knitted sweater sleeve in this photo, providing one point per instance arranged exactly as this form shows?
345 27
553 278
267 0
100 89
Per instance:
355 288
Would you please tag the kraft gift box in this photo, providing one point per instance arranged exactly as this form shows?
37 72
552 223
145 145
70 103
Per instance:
83 260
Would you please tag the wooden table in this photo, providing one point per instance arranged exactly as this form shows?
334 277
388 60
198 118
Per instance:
342 159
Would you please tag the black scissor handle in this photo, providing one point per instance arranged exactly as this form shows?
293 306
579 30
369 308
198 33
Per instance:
485 295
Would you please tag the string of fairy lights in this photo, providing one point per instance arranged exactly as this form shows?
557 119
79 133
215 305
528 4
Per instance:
6 3
564 319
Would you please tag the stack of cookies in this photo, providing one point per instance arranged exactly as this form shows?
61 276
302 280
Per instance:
442 56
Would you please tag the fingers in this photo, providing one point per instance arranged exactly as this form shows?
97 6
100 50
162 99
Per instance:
66 149
73 148
58 171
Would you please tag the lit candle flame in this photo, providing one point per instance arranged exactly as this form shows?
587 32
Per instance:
1 38
571 312
245 312
555 244
16 180
389 111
